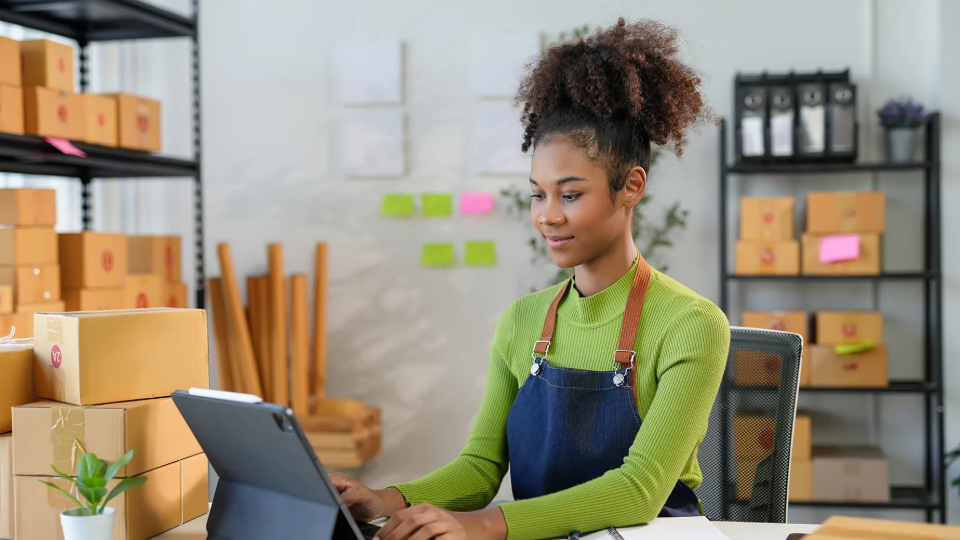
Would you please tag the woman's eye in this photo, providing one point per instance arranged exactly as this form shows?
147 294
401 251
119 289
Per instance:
570 197
536 197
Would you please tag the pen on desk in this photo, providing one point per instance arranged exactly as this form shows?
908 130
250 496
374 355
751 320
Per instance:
574 535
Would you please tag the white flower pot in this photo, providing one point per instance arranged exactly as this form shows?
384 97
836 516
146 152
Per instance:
77 526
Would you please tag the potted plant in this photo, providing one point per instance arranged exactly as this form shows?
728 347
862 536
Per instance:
903 119
93 521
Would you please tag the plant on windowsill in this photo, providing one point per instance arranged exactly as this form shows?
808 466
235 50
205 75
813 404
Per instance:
93 521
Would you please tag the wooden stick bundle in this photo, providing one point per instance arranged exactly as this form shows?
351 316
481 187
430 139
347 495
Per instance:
245 361
278 325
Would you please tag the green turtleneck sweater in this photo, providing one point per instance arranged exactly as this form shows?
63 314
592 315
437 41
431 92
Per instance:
681 349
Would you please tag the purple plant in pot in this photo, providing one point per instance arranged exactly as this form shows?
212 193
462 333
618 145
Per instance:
903 119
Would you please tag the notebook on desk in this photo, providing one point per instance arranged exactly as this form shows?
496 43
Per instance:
671 528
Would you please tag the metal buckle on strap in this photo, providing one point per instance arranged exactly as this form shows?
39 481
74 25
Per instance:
617 364
534 353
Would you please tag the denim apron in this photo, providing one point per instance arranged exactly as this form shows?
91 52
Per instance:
570 426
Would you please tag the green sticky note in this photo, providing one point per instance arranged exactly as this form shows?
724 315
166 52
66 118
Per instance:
437 205
480 253
437 254
397 205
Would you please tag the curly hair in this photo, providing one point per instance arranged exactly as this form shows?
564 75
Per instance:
612 94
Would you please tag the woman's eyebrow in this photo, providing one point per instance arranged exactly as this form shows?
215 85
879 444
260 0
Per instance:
563 180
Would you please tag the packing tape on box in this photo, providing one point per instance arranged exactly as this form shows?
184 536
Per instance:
66 434
58 501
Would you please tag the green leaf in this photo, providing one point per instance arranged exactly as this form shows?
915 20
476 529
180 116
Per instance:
66 477
95 482
102 469
87 467
112 470
93 495
61 490
125 484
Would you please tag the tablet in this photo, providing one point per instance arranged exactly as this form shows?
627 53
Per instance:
272 485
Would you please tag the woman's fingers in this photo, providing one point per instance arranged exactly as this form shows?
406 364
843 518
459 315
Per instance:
404 522
342 482
431 530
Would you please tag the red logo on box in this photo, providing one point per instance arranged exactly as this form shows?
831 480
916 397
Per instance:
768 257
778 324
849 329
850 366
768 217
142 301
766 439
106 260
143 123
62 113
172 302
101 121
772 364
848 212
56 357
61 65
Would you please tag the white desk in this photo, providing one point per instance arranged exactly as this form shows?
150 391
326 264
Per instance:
197 530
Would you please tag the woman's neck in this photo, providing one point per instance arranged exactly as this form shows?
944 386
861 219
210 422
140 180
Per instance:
603 271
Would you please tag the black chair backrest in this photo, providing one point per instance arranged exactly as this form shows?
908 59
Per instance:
745 457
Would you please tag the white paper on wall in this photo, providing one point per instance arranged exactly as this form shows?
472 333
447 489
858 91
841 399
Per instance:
498 134
500 59
373 143
369 71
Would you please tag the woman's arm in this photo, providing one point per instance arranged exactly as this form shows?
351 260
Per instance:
471 481
691 364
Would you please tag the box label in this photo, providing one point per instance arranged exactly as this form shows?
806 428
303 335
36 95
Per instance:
56 357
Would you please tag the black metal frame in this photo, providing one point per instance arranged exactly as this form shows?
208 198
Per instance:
931 497
87 21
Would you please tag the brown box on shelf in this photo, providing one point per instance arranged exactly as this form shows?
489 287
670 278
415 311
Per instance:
21 322
833 212
802 436
90 259
51 306
6 299
846 528
175 295
22 246
801 480
47 63
838 327
757 368
866 369
868 264
6 485
784 321
155 255
16 381
173 494
746 470
53 113
32 284
753 435
850 474
768 218
11 110
761 257
10 75
47 433
80 299
28 207
125 355
101 119
143 291
139 122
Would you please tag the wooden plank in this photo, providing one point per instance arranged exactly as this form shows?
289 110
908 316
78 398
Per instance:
219 312
259 332
300 344
263 353
278 325
244 361
318 384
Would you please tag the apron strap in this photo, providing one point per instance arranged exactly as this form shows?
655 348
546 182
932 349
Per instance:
624 356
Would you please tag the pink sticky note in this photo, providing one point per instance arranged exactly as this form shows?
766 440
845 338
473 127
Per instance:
840 247
476 203
65 146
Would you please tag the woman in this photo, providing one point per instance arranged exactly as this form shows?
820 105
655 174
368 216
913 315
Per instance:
600 424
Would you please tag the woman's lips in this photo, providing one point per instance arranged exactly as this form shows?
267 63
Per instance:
557 242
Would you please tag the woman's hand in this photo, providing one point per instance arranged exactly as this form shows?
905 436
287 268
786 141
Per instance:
366 504
427 522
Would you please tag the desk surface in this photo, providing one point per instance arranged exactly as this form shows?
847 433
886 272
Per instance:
197 530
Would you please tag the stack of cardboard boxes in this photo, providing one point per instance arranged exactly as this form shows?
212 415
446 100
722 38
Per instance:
154 264
11 91
94 270
858 217
753 369
767 245
130 362
16 388
753 441
29 268
864 368
50 105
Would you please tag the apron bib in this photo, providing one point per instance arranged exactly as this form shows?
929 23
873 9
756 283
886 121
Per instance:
570 426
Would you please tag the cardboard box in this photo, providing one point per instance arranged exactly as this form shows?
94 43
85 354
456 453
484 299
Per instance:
153 428
28 246
837 327
175 295
868 264
833 212
802 436
6 485
21 322
32 284
139 122
800 487
842 527
865 369
784 321
101 119
766 218
28 207
6 299
16 381
173 494
53 113
755 368
753 436
90 259
155 255
760 257
143 291
11 110
746 470
54 306
850 474
79 299
10 75
122 355
47 63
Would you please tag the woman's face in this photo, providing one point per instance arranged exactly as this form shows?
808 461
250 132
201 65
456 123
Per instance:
571 205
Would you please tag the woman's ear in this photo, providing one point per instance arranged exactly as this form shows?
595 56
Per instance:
635 187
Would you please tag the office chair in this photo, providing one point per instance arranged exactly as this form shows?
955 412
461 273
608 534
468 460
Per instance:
745 456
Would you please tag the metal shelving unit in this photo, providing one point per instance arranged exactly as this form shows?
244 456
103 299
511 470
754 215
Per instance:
87 21
931 496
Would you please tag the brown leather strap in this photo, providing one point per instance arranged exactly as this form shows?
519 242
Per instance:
631 317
